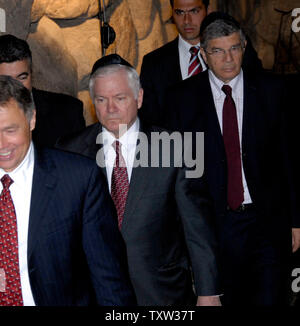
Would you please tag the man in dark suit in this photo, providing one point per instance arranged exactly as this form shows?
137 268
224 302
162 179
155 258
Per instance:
59 243
164 217
56 114
247 165
170 64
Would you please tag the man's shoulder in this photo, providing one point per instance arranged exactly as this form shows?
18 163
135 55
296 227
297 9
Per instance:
191 84
163 51
59 156
265 81
60 98
78 140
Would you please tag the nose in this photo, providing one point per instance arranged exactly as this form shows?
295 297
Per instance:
228 56
111 107
187 18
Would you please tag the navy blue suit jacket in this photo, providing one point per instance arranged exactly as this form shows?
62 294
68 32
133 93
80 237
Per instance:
74 248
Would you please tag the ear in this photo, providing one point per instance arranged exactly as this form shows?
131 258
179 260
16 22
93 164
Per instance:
32 121
140 98
203 54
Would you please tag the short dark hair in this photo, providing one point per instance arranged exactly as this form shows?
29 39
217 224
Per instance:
205 2
11 88
14 49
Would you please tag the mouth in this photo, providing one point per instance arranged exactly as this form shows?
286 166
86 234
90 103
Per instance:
188 29
6 155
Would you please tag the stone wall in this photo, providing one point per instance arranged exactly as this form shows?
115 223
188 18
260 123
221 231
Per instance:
64 35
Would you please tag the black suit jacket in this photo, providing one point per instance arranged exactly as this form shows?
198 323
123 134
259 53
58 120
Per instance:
265 157
74 247
161 69
167 222
57 115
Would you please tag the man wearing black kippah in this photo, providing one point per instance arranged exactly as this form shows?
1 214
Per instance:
164 217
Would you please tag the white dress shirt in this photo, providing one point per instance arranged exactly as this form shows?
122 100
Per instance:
128 141
21 195
185 56
237 85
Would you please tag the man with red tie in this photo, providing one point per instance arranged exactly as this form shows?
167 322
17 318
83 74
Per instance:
165 218
179 59
247 166
59 241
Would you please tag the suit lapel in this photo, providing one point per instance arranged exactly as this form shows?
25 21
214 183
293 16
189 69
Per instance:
43 183
139 179
214 136
174 72
250 114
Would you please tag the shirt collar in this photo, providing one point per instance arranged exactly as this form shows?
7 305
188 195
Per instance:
217 84
128 140
184 45
20 172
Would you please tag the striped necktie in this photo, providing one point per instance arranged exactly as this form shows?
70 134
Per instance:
195 66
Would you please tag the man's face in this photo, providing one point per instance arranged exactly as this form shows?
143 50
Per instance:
19 70
115 103
188 16
15 135
225 66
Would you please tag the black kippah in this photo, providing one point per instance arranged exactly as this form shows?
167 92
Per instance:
111 59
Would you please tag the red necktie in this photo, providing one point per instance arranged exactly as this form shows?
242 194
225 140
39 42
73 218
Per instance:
119 183
195 64
9 258
235 190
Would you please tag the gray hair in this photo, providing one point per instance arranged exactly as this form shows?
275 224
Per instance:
132 76
220 28
11 88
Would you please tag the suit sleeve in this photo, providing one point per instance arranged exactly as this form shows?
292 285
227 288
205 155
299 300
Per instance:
197 216
104 247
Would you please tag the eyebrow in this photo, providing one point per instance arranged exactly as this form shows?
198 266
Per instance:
13 126
217 47
181 10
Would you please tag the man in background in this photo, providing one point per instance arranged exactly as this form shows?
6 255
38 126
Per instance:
179 59
247 165
56 114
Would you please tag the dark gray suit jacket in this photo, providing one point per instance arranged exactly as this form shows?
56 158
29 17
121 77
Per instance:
167 224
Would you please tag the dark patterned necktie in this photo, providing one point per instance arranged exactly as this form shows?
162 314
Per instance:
9 257
119 183
195 65
235 190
